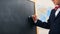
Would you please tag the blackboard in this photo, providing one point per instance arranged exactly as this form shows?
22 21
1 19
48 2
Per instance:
13 17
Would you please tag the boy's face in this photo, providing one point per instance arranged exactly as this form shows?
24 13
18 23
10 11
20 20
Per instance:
56 2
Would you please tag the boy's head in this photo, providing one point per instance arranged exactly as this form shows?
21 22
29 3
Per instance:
56 2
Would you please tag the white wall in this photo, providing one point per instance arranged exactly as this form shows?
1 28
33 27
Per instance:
41 7
42 30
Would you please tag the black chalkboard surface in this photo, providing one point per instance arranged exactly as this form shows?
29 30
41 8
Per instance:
13 17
